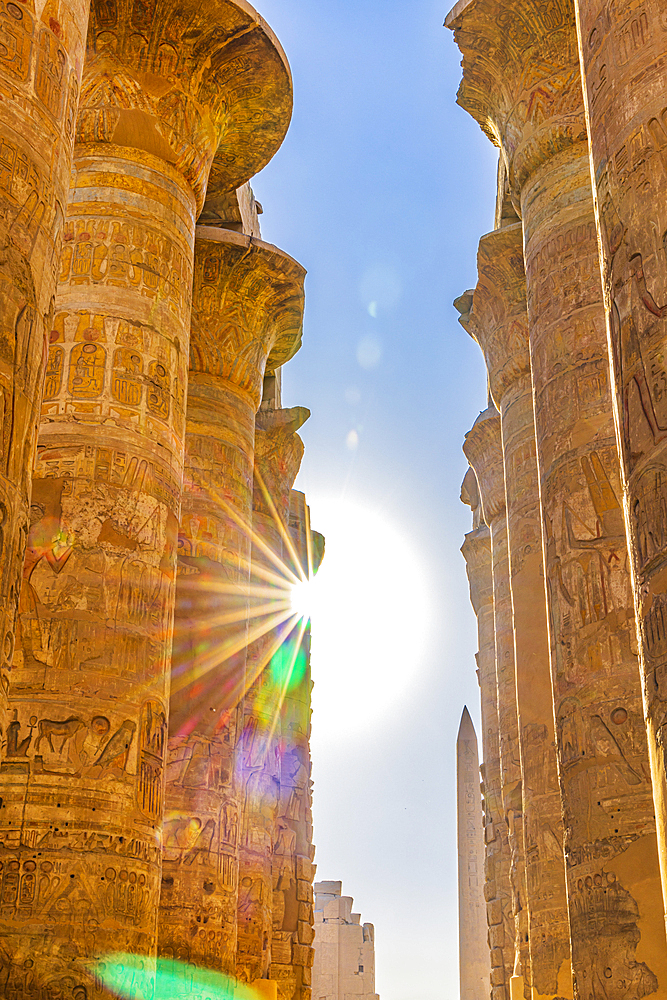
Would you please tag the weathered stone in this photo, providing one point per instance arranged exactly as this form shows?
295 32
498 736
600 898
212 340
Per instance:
495 315
483 449
91 684
247 309
521 82
474 965
344 967
622 50
41 61
497 890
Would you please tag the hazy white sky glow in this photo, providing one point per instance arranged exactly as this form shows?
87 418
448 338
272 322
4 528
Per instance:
370 613
382 190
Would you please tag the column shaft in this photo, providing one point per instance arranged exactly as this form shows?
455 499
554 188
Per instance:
525 90
247 314
498 320
625 78
608 810
90 687
497 892
41 60
484 451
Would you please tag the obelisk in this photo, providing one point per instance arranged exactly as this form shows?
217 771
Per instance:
473 950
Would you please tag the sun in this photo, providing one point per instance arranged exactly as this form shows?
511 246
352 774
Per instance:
368 606
301 598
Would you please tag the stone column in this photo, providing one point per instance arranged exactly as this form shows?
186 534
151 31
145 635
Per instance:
41 59
83 775
474 963
274 661
495 315
528 96
476 551
483 449
287 689
246 319
622 59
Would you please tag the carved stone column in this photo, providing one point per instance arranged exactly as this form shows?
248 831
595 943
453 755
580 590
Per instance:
83 775
521 82
246 318
476 551
495 315
41 59
483 449
274 660
294 873
622 58
276 921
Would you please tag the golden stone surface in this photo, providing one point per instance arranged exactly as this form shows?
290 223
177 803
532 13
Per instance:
622 58
497 319
483 449
110 805
41 61
521 82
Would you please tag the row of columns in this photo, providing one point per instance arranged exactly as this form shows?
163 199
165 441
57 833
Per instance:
133 784
575 413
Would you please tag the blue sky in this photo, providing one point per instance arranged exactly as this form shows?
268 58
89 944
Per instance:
381 190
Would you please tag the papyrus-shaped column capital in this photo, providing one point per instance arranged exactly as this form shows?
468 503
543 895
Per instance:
476 550
483 449
495 313
247 312
521 78
206 87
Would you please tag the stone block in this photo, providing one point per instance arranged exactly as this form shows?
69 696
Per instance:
304 891
494 912
300 954
496 936
497 976
305 932
305 869
496 957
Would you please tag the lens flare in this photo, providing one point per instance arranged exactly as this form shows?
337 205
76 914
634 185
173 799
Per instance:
301 598
131 976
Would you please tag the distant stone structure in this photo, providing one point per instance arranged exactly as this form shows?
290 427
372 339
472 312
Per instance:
154 680
474 958
567 559
344 966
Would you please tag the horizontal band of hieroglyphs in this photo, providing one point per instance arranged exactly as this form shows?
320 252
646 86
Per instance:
126 256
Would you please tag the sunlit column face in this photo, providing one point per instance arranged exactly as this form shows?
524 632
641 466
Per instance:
368 605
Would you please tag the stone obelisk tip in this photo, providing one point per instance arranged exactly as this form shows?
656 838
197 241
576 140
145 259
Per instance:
466 726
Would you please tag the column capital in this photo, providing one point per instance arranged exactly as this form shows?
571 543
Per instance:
483 449
494 314
476 550
247 310
521 78
206 87
278 454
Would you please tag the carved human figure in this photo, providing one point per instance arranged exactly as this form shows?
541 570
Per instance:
247 316
627 115
529 98
41 61
98 618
